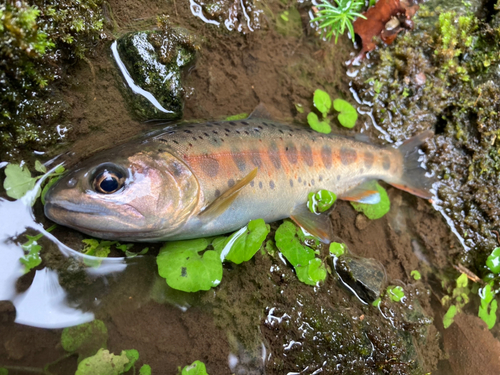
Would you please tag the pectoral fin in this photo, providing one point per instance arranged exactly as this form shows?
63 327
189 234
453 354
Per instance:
319 226
223 202
364 193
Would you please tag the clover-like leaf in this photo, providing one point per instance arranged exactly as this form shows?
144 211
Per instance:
322 102
248 242
18 181
145 370
103 363
337 249
396 293
185 269
320 126
348 114
320 201
493 261
196 368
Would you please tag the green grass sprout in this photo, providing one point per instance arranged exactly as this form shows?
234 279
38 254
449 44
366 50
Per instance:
335 19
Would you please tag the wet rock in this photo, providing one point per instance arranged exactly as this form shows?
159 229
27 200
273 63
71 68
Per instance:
365 276
152 63
7 312
362 221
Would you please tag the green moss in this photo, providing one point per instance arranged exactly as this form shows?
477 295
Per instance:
35 40
443 76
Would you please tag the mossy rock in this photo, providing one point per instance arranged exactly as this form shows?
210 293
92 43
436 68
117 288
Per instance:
155 61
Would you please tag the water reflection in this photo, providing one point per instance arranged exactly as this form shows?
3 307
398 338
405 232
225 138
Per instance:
45 303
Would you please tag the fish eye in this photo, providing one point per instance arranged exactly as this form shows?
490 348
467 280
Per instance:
108 181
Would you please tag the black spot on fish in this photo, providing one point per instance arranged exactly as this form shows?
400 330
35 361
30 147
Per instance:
291 153
271 184
237 132
244 123
190 144
187 131
368 159
232 123
200 137
247 133
217 193
206 134
291 183
274 155
256 129
227 130
163 140
160 150
265 124
176 142
230 182
306 154
386 162
195 139
260 185
209 125
326 156
209 166
239 160
348 155
260 127
214 131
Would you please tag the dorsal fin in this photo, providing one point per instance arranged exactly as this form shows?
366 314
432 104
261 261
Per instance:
260 112
364 193
223 202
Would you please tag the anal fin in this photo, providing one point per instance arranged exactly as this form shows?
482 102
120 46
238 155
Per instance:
364 193
223 202
319 226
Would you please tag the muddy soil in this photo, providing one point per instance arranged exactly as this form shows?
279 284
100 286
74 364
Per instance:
234 72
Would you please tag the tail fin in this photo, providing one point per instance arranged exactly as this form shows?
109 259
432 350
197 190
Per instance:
414 179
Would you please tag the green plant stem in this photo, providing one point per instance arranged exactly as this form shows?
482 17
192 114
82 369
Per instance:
36 370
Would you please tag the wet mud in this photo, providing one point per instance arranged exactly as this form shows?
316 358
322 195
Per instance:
256 321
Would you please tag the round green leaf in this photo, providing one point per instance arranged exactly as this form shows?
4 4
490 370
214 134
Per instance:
320 126
416 275
18 181
320 201
493 261
348 114
322 101
196 368
145 370
248 242
185 269
449 316
375 211
396 293
337 249
133 356
85 339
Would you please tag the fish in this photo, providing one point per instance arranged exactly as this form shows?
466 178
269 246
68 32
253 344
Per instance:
198 180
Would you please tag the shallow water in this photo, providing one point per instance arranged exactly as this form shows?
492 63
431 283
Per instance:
260 319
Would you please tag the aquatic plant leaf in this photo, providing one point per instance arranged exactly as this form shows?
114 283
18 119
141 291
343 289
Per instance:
416 275
320 126
145 370
33 259
493 261
133 356
248 243
449 316
377 302
488 308
462 281
239 116
196 368
396 293
322 102
18 181
320 201
180 263
289 240
96 248
375 211
348 114
103 363
85 339
337 249
39 167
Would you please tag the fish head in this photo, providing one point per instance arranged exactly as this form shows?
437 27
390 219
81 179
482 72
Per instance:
142 196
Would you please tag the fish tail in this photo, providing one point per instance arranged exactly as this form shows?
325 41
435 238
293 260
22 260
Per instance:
414 179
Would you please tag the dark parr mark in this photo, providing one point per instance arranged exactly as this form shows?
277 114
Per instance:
368 158
386 162
271 184
252 183
260 185
239 160
306 153
338 177
299 179
255 158
312 182
291 183
326 156
230 182
217 193
209 166
291 153
274 155
347 155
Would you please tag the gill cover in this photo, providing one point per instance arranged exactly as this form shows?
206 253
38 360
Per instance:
144 196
